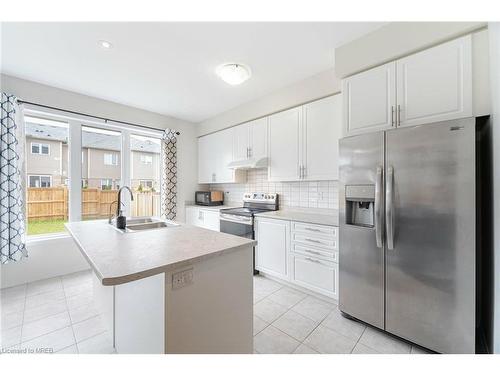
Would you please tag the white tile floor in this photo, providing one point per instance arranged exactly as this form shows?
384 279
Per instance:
58 315
54 315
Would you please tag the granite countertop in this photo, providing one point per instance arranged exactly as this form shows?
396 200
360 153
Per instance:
321 216
118 258
214 208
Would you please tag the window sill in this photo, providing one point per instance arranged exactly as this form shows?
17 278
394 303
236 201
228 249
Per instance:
46 237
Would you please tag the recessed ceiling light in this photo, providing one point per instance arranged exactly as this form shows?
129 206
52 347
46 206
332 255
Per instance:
233 73
105 44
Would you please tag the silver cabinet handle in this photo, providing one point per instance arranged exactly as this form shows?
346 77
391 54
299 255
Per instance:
311 240
399 115
312 260
389 208
392 115
313 229
378 211
249 152
313 252
304 169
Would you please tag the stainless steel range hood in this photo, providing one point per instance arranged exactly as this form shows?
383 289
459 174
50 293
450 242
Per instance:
252 163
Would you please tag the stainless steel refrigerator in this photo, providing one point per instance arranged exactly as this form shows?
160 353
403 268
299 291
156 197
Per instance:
408 233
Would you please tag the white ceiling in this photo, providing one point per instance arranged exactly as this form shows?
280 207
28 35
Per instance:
169 67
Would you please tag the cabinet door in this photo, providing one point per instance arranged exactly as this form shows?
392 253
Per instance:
241 141
370 100
206 159
322 131
211 220
223 150
436 84
193 216
315 274
284 128
258 138
273 243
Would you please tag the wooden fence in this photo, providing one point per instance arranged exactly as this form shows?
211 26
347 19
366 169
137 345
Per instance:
52 203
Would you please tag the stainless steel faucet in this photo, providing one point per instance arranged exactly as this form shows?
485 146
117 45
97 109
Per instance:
121 221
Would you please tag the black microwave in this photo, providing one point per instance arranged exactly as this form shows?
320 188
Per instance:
209 198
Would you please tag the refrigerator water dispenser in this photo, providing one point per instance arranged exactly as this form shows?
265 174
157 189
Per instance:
360 201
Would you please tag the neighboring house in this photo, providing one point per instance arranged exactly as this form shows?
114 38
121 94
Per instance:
47 159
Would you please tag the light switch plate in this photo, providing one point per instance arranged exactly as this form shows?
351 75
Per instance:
182 278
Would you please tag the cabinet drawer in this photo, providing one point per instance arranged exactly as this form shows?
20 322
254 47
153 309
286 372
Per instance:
332 256
315 229
316 241
320 276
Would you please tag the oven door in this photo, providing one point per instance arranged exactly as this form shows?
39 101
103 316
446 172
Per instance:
241 226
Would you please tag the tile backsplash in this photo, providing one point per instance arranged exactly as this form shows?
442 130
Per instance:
317 194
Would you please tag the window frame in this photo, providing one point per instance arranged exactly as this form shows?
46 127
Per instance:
114 159
75 124
40 147
144 156
141 182
29 175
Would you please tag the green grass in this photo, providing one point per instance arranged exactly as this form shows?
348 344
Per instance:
36 227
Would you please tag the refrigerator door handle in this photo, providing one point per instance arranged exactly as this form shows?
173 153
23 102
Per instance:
378 211
389 208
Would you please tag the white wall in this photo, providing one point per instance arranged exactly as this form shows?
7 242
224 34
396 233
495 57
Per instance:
56 257
309 89
47 258
494 29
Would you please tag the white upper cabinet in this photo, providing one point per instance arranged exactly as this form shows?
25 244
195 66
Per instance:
429 86
284 130
224 156
322 128
370 100
206 161
215 152
258 138
435 84
250 140
241 142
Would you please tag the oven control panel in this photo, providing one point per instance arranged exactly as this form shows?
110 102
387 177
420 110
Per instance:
260 197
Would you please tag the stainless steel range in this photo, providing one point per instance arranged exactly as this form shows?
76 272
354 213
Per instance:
240 221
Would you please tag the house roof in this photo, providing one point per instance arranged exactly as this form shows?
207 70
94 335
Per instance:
89 139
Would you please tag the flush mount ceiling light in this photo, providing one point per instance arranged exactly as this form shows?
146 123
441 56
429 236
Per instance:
105 44
233 73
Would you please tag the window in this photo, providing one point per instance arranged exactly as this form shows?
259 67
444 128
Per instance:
39 181
106 184
145 175
40 148
110 159
47 198
146 159
101 172
48 184
148 184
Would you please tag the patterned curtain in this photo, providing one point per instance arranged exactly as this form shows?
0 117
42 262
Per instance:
169 174
12 182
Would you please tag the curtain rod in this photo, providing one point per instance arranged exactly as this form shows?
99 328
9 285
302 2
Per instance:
87 115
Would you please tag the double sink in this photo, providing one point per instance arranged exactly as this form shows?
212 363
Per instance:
144 223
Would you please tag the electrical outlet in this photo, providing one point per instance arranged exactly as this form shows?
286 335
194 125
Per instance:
182 278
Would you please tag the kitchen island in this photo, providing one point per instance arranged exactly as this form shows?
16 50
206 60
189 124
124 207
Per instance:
177 289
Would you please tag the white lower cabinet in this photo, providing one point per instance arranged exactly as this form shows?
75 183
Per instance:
208 219
273 244
303 254
318 275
